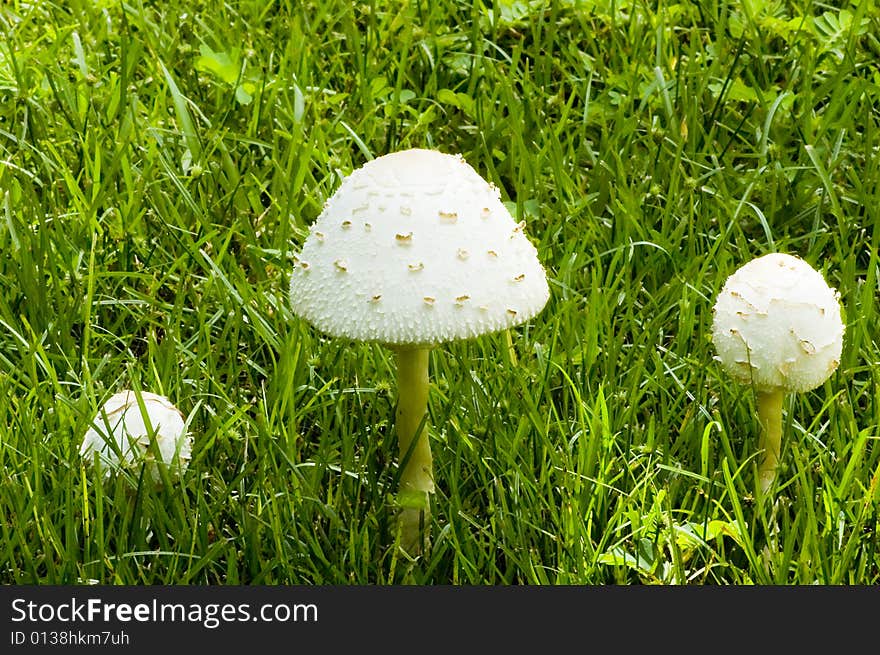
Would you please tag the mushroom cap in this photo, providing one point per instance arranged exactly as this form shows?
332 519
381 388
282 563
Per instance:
414 249
777 324
119 429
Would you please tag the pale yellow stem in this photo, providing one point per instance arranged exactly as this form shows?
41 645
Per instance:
416 475
770 441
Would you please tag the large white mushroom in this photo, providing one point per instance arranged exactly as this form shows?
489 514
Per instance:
414 249
120 435
777 326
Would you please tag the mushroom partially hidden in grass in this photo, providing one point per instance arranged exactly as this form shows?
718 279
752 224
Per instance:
415 249
121 433
777 326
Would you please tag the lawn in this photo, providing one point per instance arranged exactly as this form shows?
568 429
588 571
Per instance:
160 165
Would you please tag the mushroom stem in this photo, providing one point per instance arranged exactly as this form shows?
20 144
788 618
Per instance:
770 441
416 475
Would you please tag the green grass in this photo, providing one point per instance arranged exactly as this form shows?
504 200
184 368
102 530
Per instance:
160 164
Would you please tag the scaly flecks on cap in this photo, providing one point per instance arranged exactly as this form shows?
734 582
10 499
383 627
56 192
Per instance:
408 277
778 324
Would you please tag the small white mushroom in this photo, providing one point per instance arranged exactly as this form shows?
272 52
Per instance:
777 325
120 436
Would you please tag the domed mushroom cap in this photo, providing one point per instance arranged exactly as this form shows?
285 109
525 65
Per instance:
415 248
778 324
120 429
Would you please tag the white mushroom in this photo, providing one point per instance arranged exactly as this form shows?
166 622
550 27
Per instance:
120 434
777 326
410 284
